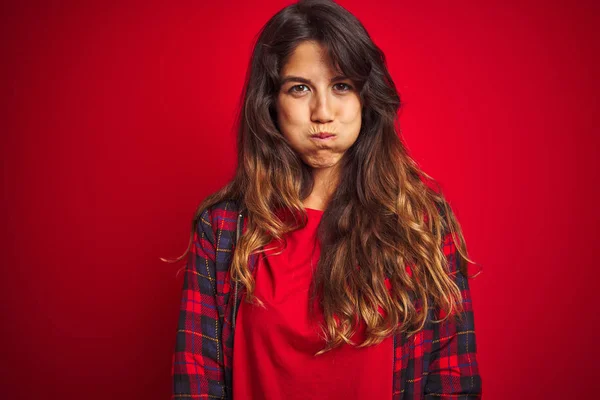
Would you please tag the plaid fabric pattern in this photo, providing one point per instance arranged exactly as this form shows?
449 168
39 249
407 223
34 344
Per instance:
439 362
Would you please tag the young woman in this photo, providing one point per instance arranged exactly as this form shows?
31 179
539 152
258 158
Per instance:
328 263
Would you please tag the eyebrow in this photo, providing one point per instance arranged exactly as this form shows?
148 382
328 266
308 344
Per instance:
292 78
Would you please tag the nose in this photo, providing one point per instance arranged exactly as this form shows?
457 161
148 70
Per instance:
321 108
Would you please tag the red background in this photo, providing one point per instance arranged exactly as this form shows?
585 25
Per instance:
118 119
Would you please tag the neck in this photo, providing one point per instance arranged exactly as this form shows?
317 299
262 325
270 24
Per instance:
325 183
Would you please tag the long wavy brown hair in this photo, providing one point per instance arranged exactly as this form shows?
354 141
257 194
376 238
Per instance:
384 213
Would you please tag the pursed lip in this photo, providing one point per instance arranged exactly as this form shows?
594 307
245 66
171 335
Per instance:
322 135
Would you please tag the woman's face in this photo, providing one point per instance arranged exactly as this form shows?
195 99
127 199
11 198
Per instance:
314 98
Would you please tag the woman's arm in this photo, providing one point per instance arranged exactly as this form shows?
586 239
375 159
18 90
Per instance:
198 359
453 371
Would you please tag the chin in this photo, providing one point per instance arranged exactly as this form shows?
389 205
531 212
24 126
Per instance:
319 164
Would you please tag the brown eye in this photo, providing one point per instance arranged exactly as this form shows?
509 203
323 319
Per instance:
344 87
292 89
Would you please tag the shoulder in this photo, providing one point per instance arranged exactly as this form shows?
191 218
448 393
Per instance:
448 242
219 217
444 210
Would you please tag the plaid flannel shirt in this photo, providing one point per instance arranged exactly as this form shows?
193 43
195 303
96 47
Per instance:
439 362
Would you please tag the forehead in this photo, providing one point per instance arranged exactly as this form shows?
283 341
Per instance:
309 59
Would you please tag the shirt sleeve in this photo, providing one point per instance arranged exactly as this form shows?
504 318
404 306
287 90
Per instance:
453 369
198 370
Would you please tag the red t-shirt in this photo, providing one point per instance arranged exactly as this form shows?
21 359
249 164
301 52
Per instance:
274 347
